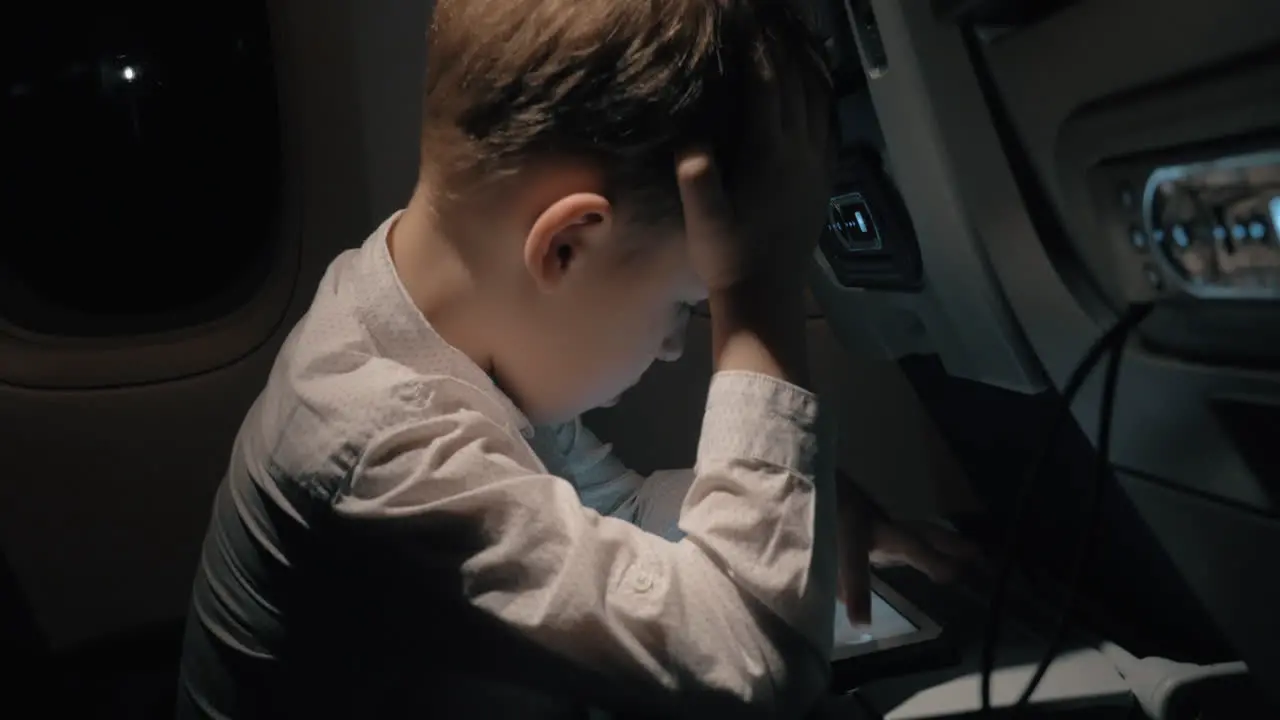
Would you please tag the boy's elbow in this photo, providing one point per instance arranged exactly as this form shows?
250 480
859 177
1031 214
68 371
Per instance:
774 675
786 679
804 679
761 660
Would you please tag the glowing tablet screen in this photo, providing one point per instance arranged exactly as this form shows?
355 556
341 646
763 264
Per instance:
886 623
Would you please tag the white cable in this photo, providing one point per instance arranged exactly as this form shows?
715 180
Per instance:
1163 687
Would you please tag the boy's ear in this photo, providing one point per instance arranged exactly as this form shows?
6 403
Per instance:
567 232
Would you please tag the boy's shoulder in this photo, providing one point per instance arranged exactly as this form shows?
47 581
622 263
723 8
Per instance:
360 362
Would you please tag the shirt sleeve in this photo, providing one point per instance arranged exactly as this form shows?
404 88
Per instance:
740 607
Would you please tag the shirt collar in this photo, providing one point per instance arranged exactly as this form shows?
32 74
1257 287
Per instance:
401 332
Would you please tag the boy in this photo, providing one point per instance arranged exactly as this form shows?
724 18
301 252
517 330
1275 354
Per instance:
387 543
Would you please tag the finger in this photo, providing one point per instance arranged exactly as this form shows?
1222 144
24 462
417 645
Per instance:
950 543
896 546
706 205
855 561
857 593
853 586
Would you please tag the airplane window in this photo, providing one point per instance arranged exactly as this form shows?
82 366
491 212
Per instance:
140 164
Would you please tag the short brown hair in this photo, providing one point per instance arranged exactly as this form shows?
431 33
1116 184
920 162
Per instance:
625 83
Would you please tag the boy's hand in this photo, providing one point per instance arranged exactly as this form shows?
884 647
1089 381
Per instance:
767 222
868 537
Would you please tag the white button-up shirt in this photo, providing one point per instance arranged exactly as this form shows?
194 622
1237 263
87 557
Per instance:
393 537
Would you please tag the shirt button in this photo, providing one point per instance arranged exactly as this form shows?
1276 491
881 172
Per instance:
643 580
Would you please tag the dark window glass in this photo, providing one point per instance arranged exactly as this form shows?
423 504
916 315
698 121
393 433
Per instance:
140 161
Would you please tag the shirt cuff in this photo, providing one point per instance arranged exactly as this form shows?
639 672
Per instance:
760 418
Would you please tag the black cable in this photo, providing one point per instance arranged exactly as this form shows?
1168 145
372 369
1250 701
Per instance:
1051 229
1088 540
1113 338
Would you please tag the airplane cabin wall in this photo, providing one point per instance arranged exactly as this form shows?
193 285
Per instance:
107 492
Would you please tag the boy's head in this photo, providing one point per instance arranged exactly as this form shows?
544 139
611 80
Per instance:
549 139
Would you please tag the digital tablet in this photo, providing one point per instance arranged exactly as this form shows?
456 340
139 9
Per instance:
900 640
